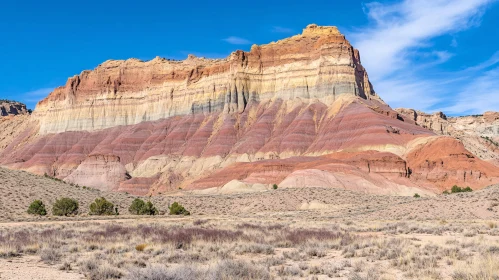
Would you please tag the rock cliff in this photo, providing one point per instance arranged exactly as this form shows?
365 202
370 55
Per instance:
320 64
297 112
479 133
12 108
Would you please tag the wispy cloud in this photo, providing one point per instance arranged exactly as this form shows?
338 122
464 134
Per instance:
30 98
478 96
37 94
397 48
280 29
400 28
237 40
486 64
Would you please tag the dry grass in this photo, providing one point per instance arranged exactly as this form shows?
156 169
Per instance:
256 236
337 203
263 249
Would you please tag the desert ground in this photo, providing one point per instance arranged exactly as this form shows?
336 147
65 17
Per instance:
305 233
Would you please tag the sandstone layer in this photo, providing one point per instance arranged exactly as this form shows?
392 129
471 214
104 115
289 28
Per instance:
299 112
319 64
12 108
479 133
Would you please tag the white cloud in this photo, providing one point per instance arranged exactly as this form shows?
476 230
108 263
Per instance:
486 64
397 50
31 98
480 95
280 29
237 40
406 92
35 95
408 25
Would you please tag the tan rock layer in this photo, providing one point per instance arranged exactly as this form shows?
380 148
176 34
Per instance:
479 133
12 108
300 112
319 64
161 156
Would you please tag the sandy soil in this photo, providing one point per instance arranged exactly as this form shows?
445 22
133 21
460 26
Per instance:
307 233
30 267
20 188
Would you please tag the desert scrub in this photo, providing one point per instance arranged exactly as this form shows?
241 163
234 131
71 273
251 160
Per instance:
229 269
490 140
149 209
139 207
101 207
50 255
255 248
456 189
94 269
37 208
486 267
140 247
178 209
163 272
65 207
136 206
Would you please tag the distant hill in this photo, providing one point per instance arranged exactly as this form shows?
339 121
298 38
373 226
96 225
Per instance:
298 112
12 108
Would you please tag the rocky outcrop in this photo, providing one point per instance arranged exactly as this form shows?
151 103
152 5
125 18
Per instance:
478 133
445 161
320 64
298 112
177 150
104 171
436 122
11 127
12 108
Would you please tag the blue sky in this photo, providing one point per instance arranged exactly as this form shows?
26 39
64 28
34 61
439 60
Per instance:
425 54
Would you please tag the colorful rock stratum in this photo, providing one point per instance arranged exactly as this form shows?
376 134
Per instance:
299 112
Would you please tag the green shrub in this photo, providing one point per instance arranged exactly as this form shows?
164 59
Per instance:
456 189
149 209
136 206
274 186
37 208
101 207
490 140
178 209
65 207
417 195
139 207
446 192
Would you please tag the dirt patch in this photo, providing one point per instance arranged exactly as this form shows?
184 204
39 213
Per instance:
31 267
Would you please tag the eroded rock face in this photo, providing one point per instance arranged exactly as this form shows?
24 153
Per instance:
298 112
445 161
12 108
478 133
318 64
13 126
436 122
177 150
